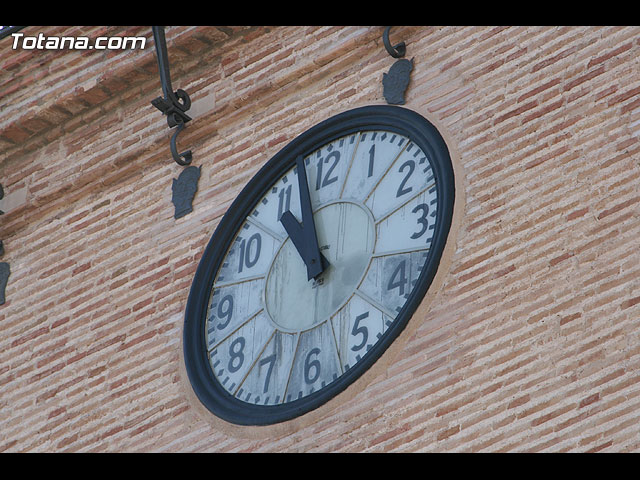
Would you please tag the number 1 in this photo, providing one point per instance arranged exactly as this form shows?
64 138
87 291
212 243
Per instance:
372 152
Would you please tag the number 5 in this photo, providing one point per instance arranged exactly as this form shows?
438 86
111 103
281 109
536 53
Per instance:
360 330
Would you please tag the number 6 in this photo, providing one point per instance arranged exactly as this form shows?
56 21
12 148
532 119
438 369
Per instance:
308 365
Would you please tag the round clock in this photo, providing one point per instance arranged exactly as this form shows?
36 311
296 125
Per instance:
318 265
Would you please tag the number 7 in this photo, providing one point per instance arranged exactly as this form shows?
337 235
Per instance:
271 360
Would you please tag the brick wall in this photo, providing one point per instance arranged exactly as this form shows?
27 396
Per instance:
529 340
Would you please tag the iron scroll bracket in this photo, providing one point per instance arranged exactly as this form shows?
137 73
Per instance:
396 51
174 104
5 270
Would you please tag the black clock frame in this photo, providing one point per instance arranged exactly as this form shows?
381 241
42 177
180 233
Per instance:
375 117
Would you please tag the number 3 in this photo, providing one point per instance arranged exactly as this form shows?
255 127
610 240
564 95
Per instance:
422 220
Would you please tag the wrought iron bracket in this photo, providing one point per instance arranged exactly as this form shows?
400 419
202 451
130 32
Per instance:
174 104
5 271
397 51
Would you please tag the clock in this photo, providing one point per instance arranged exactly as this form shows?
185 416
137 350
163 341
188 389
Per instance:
318 265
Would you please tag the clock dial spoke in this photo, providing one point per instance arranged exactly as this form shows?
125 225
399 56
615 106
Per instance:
278 238
316 362
411 226
358 326
391 278
231 306
375 153
409 174
266 382
233 357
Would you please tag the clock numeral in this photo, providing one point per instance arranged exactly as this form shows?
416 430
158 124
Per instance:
284 201
245 251
310 365
401 189
372 152
398 278
328 179
422 220
271 360
236 354
357 330
225 310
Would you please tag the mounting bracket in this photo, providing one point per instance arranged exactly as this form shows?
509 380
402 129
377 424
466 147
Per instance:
174 104
5 271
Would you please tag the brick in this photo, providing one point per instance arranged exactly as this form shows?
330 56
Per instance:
518 402
630 302
554 261
618 207
444 434
569 318
600 447
584 78
577 213
589 400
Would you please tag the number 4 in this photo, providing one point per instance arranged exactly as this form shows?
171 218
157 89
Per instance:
398 278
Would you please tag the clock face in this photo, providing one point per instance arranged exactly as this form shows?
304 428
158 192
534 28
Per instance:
318 265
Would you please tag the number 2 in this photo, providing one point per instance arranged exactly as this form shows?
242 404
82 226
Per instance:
401 190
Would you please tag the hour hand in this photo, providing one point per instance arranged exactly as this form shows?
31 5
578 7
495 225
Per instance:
304 235
306 246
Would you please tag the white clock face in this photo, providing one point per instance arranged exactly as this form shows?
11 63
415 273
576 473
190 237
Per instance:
273 335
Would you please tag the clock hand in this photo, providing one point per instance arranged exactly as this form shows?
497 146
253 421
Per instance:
304 236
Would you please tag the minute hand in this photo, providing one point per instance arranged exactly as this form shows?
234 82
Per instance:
304 236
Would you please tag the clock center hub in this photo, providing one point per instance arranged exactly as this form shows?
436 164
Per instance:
346 236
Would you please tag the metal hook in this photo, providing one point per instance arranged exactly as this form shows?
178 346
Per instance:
397 51
183 158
